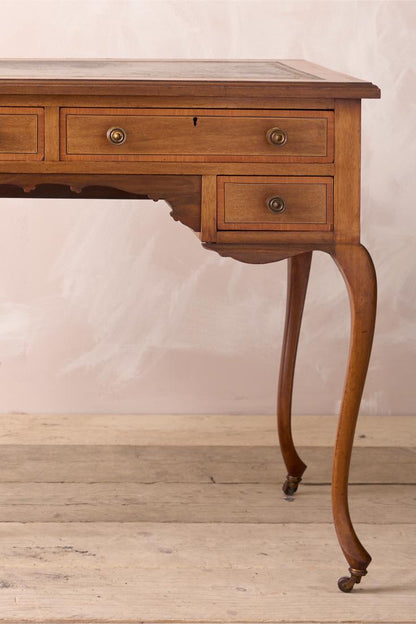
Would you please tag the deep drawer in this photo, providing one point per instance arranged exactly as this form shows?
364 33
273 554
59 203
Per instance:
275 203
196 135
21 133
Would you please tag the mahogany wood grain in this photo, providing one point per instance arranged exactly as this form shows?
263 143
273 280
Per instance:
276 237
52 133
21 133
358 271
170 168
243 203
348 170
208 209
297 282
197 135
153 101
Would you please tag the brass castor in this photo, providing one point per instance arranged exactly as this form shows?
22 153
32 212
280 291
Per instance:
346 583
291 485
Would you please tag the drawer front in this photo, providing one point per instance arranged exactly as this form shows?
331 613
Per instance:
275 203
197 135
21 133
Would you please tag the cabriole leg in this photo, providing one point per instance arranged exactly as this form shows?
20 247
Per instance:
357 269
297 282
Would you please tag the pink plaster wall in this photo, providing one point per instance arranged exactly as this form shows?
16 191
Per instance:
113 307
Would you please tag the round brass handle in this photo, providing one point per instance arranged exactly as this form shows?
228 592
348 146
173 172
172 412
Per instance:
276 205
117 136
276 136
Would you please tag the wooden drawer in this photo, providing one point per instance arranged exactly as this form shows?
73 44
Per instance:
21 133
300 203
197 135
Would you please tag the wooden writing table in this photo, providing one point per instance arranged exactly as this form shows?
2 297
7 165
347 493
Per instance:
260 158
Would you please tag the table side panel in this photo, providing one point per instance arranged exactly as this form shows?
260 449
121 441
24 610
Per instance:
347 181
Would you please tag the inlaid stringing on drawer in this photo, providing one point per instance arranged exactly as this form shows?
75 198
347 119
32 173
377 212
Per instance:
21 133
275 203
197 135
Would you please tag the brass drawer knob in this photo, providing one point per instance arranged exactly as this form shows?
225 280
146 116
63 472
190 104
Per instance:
276 136
117 136
276 205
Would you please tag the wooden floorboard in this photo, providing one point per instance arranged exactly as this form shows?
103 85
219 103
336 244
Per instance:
194 464
199 573
197 430
204 502
181 519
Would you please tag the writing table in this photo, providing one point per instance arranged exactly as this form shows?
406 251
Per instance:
260 158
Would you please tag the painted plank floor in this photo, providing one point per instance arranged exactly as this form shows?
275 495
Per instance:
140 520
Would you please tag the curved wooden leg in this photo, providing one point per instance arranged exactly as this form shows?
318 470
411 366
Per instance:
357 269
297 282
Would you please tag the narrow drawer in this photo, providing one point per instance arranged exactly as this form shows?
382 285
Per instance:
275 203
21 133
196 135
